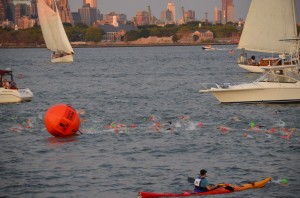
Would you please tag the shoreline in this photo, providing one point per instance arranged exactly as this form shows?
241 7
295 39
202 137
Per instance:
103 45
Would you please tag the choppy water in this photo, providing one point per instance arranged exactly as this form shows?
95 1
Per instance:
127 86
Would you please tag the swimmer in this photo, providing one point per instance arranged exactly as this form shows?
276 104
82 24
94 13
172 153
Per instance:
156 127
289 135
184 117
224 129
17 128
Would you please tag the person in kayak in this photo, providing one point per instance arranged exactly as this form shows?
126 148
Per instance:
201 183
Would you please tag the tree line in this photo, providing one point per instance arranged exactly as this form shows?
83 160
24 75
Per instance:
82 32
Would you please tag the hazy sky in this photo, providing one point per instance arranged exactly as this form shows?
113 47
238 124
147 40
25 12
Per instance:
130 7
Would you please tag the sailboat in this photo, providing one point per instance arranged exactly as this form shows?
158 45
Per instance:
54 33
262 33
268 22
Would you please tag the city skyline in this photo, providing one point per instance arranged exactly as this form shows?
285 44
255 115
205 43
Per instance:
199 6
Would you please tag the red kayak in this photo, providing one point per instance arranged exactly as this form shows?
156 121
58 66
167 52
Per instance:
224 188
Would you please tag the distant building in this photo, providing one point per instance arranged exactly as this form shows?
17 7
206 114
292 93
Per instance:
63 8
115 32
16 9
76 17
121 18
3 8
65 12
25 22
217 15
142 18
172 9
166 16
189 15
7 24
87 14
204 35
227 11
15 2
93 3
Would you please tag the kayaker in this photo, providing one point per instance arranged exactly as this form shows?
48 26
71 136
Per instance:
201 183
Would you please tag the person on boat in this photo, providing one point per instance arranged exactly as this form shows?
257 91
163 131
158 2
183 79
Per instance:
201 183
5 84
13 85
252 60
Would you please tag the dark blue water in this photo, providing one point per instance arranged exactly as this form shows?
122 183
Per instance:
127 86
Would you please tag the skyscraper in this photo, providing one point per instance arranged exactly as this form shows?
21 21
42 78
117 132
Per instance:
142 18
166 16
227 11
217 15
171 7
87 14
64 10
3 6
93 3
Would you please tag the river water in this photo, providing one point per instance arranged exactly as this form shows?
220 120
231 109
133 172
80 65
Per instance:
138 87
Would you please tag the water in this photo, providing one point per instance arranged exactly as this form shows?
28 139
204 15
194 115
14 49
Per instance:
127 86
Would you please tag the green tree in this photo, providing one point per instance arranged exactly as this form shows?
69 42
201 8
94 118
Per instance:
175 38
132 35
93 34
195 38
81 25
144 33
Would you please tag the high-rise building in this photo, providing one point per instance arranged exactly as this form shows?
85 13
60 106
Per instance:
227 11
19 8
189 15
93 3
121 18
142 18
15 2
88 15
25 22
217 15
166 16
63 8
3 7
171 7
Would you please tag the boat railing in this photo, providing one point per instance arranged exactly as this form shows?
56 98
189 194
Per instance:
207 86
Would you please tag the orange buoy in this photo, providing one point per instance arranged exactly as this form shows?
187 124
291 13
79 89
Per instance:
62 120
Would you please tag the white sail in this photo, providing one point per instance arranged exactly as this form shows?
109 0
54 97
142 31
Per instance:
267 22
53 31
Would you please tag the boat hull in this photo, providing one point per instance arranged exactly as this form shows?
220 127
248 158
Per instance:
63 59
258 92
15 95
221 190
251 68
208 48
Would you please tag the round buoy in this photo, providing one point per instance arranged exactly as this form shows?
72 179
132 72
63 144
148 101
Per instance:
62 120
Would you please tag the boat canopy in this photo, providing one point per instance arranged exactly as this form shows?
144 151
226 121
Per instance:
4 72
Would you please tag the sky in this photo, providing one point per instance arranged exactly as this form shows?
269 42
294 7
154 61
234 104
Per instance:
130 7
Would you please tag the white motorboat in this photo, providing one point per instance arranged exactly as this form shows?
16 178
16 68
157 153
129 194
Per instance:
208 47
262 33
10 93
54 33
278 84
